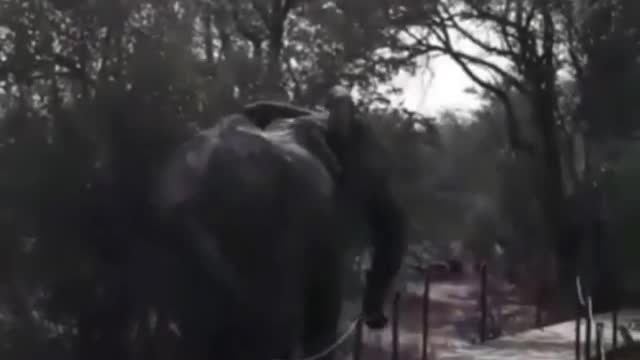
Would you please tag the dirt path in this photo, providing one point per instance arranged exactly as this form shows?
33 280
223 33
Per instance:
554 342
453 318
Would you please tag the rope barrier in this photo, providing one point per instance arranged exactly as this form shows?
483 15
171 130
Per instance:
337 343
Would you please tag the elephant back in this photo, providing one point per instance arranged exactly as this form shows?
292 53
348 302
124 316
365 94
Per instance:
308 132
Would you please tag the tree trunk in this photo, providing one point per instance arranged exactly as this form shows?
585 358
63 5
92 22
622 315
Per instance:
207 15
276 27
553 199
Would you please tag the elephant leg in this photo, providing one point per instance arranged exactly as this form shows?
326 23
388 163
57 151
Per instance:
323 304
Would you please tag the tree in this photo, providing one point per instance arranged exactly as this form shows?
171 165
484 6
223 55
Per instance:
527 35
540 41
94 95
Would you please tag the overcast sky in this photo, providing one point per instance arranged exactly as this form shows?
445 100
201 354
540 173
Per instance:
431 91
440 88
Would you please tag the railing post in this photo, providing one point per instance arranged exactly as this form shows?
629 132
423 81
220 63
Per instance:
395 322
483 303
587 342
538 306
581 309
599 345
578 318
614 330
425 313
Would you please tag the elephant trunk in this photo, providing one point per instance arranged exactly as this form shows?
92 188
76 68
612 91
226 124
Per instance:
341 117
385 265
389 241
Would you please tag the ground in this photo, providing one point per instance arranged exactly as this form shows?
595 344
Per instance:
453 317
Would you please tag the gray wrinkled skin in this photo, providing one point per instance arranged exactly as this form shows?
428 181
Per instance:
261 202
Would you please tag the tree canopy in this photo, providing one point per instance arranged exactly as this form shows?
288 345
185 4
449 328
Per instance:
94 94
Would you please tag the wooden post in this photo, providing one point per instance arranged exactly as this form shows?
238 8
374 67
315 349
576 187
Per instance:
614 330
482 329
539 300
587 340
599 345
425 313
578 318
394 327
581 309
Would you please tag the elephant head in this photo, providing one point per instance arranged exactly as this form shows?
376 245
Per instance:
342 115
364 179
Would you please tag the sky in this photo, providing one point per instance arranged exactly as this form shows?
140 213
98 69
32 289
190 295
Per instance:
441 87
433 89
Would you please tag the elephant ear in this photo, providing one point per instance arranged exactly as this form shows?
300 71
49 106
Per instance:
341 113
263 113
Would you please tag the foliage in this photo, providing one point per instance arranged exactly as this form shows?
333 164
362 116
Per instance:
93 94
622 190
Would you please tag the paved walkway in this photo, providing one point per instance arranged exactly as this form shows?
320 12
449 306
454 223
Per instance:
555 342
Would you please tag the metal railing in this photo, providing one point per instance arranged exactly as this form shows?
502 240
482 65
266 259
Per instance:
584 312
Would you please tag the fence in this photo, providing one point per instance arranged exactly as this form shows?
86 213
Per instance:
592 347
584 312
395 321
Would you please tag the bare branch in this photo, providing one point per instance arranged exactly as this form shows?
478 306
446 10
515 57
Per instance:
530 15
447 48
513 22
516 142
455 24
423 48
480 13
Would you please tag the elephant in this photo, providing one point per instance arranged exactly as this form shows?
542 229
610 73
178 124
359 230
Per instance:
264 201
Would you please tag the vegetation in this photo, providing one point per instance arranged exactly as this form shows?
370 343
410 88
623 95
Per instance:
95 93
